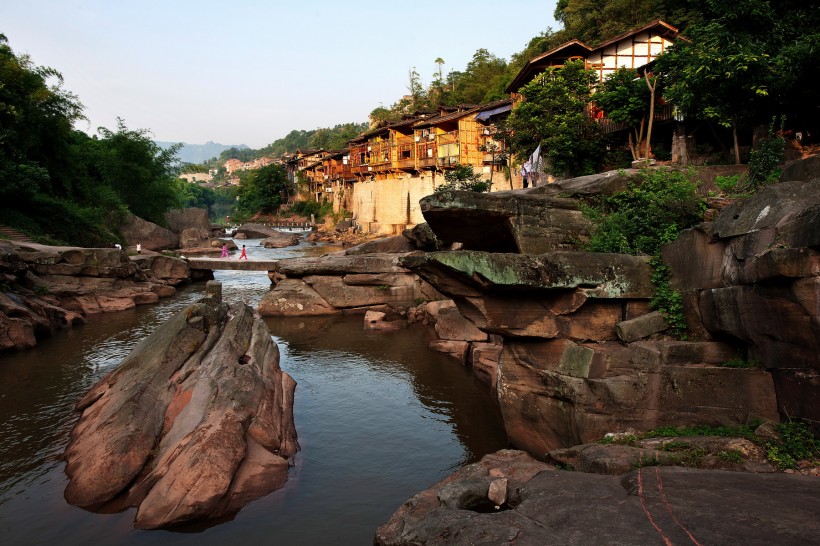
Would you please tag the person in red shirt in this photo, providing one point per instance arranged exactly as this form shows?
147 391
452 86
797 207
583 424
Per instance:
244 253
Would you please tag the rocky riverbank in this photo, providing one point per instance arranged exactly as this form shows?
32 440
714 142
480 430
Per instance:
47 288
569 346
565 338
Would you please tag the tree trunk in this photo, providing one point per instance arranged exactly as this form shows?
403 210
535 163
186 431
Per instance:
651 113
737 148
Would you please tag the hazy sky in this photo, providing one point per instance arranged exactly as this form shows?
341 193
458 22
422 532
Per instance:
250 71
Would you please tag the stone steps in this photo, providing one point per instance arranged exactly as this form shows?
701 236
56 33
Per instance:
15 235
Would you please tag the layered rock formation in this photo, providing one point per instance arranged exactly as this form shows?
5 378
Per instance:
342 283
573 352
195 422
530 221
562 376
753 276
582 355
56 287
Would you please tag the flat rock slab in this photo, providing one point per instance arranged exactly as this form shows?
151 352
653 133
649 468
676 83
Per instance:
468 273
229 264
653 505
340 265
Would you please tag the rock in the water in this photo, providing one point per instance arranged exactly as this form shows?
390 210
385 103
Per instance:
55 287
330 284
279 239
255 231
193 424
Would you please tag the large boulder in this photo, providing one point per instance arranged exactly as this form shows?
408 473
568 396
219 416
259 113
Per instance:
507 221
179 220
168 270
294 297
422 237
151 236
395 244
530 221
194 423
467 273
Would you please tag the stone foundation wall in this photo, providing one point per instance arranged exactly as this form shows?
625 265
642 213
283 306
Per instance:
388 207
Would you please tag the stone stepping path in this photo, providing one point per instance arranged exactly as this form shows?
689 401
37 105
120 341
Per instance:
15 235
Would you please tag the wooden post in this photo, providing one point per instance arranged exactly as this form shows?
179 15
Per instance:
213 289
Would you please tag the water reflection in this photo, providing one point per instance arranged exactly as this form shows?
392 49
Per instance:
379 417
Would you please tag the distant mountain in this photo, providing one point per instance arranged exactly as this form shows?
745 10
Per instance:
197 153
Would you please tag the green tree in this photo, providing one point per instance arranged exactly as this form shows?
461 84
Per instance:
483 80
745 62
624 98
36 117
554 114
262 191
140 172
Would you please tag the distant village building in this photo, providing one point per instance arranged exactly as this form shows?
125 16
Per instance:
233 165
383 172
197 177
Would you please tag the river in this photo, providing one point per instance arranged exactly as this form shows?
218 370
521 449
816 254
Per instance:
379 417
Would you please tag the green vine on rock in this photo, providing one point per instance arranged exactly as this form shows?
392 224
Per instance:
666 299
639 221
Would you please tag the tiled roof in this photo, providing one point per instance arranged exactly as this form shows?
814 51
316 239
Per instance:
578 48
460 114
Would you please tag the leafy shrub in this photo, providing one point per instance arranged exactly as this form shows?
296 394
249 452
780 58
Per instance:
728 184
766 156
646 215
797 443
463 178
640 220
666 299
305 208
742 363
731 456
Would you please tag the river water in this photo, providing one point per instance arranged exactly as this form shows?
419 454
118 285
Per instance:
379 418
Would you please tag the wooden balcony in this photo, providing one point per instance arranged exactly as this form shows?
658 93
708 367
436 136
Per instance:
426 154
406 153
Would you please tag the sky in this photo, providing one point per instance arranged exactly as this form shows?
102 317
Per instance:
250 71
